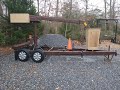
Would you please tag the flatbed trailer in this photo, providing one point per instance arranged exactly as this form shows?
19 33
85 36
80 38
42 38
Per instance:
26 50
23 53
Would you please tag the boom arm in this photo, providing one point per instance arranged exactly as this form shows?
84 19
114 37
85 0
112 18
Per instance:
57 19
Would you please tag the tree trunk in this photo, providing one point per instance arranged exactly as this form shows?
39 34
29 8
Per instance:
113 9
56 23
57 8
45 7
70 8
49 9
1 10
38 7
86 8
70 13
105 7
105 14
110 9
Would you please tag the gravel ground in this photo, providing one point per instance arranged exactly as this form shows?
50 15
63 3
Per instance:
60 73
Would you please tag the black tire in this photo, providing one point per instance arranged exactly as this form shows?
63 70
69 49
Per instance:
22 55
37 56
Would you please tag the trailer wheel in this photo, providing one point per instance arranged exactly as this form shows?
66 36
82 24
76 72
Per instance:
37 56
23 55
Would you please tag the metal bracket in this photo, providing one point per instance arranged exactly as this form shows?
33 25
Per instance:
82 54
108 57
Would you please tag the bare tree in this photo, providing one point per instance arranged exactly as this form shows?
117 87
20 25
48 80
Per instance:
110 8
118 11
105 7
86 7
45 7
71 2
112 12
1 10
50 5
113 9
105 3
38 3
57 8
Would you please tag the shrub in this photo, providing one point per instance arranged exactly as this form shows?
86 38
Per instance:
17 37
2 39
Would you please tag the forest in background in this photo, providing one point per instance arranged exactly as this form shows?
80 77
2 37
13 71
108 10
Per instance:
16 33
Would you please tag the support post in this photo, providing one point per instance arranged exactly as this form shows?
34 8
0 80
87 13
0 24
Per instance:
109 50
35 35
116 21
66 30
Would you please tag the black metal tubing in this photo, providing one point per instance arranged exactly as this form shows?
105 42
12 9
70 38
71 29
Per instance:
116 21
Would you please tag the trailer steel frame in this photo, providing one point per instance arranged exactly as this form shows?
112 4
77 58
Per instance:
24 51
108 55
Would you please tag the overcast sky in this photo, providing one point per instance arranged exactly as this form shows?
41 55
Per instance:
100 3
95 3
92 4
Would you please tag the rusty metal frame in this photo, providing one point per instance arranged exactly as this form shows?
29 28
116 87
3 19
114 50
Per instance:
74 51
81 53
57 19
108 55
54 51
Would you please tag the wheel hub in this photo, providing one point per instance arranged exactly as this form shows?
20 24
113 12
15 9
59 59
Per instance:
37 56
22 55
